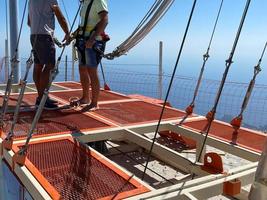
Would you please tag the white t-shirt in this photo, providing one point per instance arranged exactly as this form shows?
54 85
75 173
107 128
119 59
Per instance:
98 6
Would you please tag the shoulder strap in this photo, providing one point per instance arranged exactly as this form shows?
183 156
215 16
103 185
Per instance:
86 17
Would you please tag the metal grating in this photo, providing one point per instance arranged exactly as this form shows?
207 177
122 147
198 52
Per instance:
70 85
135 112
103 96
245 138
28 100
54 122
74 173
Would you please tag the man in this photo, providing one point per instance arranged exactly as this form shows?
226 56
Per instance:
42 13
91 30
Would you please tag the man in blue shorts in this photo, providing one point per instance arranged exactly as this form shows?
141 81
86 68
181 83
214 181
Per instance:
91 31
42 13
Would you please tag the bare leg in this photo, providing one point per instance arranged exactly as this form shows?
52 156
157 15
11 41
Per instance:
44 79
37 74
95 85
85 81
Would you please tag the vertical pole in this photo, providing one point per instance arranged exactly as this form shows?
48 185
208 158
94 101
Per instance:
6 60
13 18
66 68
160 69
73 61
259 187
6 45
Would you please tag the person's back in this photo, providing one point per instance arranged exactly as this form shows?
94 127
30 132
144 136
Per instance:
41 14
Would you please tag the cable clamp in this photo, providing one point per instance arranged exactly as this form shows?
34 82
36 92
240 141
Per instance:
210 116
236 122
189 109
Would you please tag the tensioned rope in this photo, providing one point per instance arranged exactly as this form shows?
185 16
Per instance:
169 87
211 115
189 110
237 121
23 83
11 75
155 13
22 152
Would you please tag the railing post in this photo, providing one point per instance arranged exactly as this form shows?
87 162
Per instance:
6 61
259 187
66 68
160 69
13 18
73 62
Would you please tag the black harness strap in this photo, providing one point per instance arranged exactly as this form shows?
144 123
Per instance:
81 36
86 18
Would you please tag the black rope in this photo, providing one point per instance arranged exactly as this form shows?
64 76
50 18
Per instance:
103 74
229 61
169 87
189 109
21 25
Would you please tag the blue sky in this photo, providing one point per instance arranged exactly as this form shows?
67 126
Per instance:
125 15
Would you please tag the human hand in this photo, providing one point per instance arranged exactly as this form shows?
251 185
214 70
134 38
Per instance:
67 39
89 43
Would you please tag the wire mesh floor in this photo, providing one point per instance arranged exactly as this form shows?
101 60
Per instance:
88 176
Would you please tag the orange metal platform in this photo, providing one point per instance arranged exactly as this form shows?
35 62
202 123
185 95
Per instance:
90 176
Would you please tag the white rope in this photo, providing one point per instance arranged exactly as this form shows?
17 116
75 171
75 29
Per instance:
156 12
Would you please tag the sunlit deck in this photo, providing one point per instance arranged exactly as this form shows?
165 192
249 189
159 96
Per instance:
60 165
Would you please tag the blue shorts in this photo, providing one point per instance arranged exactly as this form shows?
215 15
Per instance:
91 57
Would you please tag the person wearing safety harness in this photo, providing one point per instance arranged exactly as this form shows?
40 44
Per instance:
42 14
90 43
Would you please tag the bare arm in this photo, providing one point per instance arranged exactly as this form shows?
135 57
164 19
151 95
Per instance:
100 28
61 19
102 24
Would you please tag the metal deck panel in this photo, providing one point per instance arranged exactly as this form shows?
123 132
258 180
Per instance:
103 96
54 122
246 138
70 85
136 112
28 100
70 171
